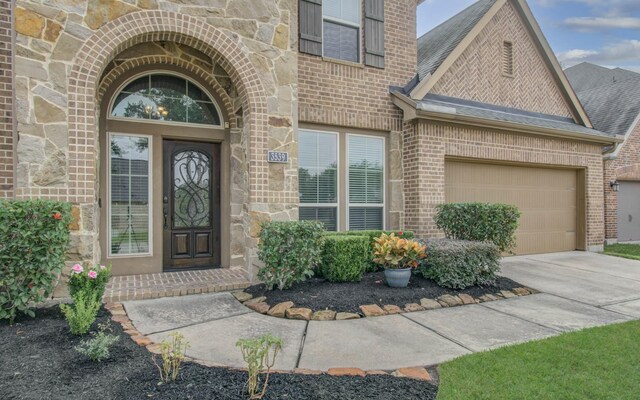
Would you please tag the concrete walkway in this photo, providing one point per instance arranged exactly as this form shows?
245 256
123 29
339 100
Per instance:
578 290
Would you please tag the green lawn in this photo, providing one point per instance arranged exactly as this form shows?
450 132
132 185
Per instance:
631 251
599 363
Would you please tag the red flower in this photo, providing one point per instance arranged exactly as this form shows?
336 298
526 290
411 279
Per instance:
57 216
400 233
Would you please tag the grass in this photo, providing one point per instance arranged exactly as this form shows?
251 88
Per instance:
631 251
598 363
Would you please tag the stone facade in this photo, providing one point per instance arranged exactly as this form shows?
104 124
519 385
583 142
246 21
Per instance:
6 102
624 166
477 74
65 52
428 144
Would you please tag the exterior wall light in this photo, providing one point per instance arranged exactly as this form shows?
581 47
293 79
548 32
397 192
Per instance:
615 185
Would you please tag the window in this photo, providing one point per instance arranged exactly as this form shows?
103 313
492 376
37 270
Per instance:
163 97
341 29
360 204
366 182
507 58
129 208
318 177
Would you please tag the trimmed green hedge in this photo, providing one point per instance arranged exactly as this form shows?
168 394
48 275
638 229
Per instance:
371 235
290 251
34 236
495 223
345 257
458 264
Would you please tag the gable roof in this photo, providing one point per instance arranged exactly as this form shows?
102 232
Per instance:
453 36
585 76
436 45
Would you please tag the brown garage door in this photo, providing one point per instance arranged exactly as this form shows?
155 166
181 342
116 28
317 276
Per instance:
547 198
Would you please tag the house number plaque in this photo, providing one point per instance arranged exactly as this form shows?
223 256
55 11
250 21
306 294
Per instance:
278 157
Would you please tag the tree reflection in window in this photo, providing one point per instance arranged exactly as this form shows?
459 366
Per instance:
161 97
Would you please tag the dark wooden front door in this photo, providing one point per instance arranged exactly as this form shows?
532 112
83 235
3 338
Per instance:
191 205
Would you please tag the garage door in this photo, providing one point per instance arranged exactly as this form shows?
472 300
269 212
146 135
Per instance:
629 212
546 197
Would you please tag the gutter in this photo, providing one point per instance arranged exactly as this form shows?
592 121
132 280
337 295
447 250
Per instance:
412 110
612 154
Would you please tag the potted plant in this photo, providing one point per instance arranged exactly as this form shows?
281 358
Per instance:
398 256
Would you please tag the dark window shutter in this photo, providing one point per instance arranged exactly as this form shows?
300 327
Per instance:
310 26
374 33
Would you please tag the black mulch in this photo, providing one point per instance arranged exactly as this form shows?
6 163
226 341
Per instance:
38 362
319 294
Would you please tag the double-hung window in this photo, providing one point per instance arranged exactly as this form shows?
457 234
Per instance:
343 189
341 22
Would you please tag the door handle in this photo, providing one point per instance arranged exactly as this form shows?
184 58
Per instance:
164 213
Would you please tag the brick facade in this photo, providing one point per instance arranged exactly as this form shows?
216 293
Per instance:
625 166
477 74
6 101
428 144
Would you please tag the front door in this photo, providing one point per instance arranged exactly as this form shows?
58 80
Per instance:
191 205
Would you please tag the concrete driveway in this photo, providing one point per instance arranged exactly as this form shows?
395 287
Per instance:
578 290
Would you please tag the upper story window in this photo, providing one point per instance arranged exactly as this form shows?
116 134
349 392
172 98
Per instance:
341 29
167 98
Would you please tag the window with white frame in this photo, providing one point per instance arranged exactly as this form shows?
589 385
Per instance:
318 177
341 29
366 182
129 205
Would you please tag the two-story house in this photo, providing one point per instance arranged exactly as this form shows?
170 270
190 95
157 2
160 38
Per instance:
177 127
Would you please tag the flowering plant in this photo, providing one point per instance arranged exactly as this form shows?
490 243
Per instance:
394 252
89 281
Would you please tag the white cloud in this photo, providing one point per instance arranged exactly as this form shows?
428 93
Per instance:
599 23
616 54
575 54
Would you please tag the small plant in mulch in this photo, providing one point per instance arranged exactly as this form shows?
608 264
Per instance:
86 287
172 353
260 355
97 348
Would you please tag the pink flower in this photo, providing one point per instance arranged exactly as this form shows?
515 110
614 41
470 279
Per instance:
92 274
77 269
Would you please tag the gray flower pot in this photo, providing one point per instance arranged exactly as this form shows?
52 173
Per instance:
397 278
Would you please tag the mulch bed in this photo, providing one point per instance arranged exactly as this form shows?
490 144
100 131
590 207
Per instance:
38 362
320 294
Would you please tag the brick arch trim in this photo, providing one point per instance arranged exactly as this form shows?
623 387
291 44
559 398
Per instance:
159 60
145 26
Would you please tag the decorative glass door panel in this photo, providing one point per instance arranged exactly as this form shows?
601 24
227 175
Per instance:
191 205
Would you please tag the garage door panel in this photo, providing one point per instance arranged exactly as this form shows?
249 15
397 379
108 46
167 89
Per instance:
546 197
629 212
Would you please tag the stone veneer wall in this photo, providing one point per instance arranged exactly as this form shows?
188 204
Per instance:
336 93
6 101
626 166
65 47
427 144
477 73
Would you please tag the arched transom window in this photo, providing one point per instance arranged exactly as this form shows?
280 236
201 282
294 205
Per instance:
163 97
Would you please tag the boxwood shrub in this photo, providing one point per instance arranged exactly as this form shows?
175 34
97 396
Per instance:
372 234
495 223
34 236
290 251
458 264
345 257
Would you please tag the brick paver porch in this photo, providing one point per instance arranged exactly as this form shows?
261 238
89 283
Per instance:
168 284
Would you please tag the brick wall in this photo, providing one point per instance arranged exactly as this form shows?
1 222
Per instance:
6 101
626 166
477 74
427 144
355 95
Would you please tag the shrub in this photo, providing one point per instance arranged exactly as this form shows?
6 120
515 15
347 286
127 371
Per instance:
34 235
97 348
372 235
393 252
92 281
290 250
495 223
345 258
82 313
172 351
458 264
260 355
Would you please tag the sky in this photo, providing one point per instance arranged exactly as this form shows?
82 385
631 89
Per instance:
603 32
